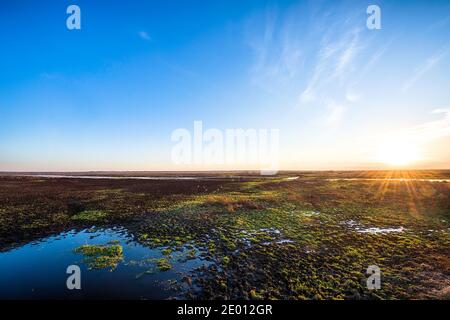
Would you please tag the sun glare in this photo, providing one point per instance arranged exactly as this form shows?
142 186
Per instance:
398 152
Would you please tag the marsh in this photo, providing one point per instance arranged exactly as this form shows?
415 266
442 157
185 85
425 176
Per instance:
226 236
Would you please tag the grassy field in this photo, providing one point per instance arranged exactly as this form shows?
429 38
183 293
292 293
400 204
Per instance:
300 235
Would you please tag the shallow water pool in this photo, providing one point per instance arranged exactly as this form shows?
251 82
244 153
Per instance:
38 270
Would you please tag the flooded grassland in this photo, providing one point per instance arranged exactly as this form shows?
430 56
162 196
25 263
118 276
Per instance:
296 236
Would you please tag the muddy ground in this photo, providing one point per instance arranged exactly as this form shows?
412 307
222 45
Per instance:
312 237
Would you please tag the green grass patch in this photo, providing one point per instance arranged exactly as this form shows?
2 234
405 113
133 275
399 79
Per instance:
163 264
90 215
101 256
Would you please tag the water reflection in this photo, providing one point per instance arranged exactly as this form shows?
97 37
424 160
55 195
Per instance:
38 270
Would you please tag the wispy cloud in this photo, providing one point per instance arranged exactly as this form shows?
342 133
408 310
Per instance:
432 130
420 71
439 23
347 54
414 141
421 134
277 52
351 96
289 60
144 35
334 113
332 83
335 60
51 75
374 58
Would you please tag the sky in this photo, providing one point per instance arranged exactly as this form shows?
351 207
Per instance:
110 95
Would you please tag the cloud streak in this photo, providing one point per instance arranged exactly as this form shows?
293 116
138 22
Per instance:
144 35
335 63
422 134
276 50
429 64
432 130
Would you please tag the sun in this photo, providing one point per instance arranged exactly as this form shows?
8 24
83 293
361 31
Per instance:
398 151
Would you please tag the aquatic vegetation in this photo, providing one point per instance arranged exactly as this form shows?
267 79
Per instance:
167 251
191 254
90 216
163 264
101 256
226 260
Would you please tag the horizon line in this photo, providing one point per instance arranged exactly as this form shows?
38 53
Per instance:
212 171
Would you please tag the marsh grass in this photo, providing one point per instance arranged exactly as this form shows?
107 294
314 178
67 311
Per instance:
233 225
90 216
101 256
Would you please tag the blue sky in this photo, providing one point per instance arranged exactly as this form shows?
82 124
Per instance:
108 96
